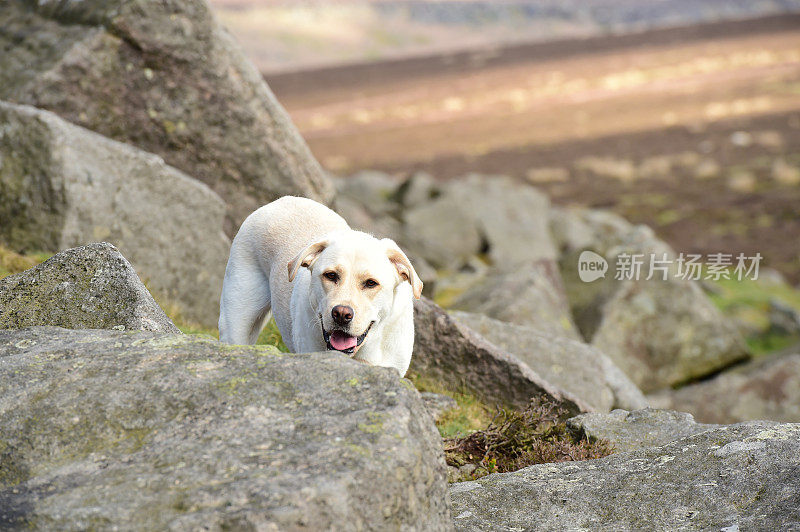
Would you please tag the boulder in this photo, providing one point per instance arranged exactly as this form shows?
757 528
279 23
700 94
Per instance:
767 388
739 477
660 332
496 216
374 191
167 78
628 431
62 186
419 188
147 431
571 365
437 404
783 319
665 333
443 232
607 234
453 354
532 296
90 287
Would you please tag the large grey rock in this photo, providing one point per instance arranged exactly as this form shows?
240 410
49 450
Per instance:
532 296
571 365
767 388
419 188
452 353
166 77
63 186
660 332
373 190
665 333
609 235
442 231
783 319
90 287
739 477
146 431
628 431
504 219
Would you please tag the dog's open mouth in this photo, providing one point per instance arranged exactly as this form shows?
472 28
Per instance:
341 341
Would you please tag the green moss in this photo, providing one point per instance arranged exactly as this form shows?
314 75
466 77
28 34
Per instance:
356 449
447 296
469 415
137 438
407 384
374 424
748 302
231 386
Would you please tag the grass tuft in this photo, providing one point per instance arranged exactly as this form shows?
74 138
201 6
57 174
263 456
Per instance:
515 439
469 415
748 302
12 262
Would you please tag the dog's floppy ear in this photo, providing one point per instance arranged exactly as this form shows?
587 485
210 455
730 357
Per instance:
404 267
306 258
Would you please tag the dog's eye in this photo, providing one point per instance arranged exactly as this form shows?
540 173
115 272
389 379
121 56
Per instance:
331 276
370 283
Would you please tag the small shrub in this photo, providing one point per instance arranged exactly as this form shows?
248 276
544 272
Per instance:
515 439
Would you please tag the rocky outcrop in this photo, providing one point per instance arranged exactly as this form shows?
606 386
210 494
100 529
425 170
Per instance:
571 365
660 332
63 186
505 220
91 287
665 333
167 78
629 431
104 429
451 353
767 388
740 477
531 296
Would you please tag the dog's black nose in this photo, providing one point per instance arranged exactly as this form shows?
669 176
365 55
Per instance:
342 314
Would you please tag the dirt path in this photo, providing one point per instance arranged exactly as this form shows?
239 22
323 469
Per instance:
695 131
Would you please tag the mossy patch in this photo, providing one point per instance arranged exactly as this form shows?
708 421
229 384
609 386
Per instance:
748 302
515 439
469 415
374 424
232 385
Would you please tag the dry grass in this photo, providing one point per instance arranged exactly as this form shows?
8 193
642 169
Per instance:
514 440
12 262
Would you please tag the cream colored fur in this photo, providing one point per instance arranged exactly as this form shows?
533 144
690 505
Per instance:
277 262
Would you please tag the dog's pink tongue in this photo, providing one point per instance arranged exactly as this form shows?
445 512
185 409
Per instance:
341 341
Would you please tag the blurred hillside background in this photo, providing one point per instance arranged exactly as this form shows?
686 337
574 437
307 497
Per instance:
680 114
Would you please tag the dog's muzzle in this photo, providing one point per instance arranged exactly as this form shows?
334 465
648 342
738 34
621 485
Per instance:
339 340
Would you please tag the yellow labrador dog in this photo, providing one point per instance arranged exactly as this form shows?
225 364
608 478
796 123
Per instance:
328 286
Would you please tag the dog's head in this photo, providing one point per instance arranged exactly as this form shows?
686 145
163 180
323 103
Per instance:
355 280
